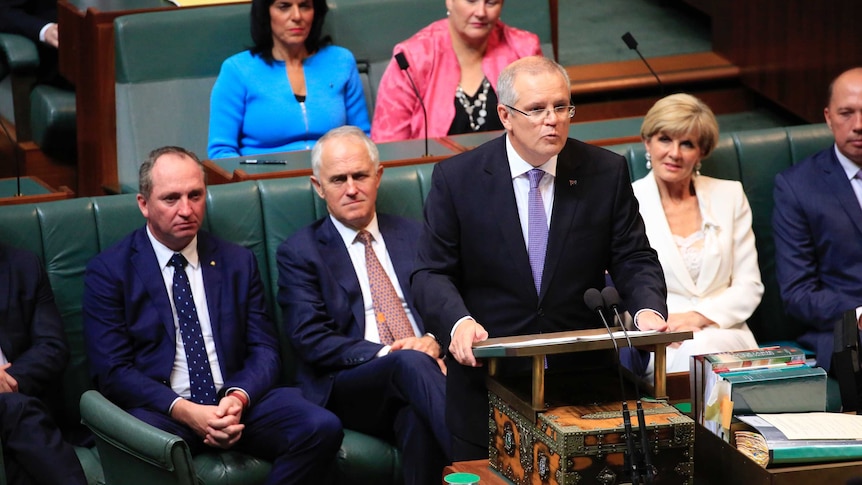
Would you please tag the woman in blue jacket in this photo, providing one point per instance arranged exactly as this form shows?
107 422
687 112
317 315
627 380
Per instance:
289 89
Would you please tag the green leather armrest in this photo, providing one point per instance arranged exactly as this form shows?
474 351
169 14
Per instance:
20 52
133 452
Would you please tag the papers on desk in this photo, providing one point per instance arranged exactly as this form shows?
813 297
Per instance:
564 340
815 426
800 438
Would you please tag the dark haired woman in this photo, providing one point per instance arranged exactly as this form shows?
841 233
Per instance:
289 89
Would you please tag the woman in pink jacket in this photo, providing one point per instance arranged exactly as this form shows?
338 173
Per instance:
454 63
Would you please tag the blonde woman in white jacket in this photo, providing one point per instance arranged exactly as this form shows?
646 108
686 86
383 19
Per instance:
701 228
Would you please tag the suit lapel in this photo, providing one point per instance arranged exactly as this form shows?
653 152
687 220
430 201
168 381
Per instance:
711 260
147 267
503 208
660 236
566 201
836 182
211 263
402 254
335 256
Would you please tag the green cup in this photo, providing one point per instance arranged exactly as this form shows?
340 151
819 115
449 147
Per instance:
461 479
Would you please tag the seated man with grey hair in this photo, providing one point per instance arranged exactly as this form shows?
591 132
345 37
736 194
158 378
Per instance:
345 294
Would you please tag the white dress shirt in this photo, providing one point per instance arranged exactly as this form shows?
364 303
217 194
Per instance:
180 372
356 250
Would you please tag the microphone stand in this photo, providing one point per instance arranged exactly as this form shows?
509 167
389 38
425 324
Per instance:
401 59
612 299
632 44
593 299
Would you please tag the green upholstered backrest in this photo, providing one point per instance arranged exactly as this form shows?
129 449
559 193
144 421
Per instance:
166 65
754 158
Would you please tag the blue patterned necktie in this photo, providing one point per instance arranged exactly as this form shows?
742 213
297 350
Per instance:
200 373
537 228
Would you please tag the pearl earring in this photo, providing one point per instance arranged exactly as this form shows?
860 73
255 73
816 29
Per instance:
648 161
697 169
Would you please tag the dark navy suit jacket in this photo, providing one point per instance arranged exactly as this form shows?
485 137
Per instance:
129 327
817 224
26 17
322 302
473 260
31 330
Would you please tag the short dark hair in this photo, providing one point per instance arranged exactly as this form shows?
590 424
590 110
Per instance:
145 172
261 29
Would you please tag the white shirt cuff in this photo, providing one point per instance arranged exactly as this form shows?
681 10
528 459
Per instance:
459 322
42 36
645 310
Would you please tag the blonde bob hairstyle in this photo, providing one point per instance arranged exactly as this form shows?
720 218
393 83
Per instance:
681 114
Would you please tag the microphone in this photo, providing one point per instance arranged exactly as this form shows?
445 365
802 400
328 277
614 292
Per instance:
405 66
612 300
632 44
593 300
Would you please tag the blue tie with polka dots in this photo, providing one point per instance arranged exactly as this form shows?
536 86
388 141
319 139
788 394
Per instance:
200 373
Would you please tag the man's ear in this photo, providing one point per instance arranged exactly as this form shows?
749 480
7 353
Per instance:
317 187
504 115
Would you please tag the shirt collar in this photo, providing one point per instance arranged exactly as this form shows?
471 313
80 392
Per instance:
164 253
850 168
518 166
348 234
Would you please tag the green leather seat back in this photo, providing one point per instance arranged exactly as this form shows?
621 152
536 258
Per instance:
286 205
808 139
163 83
234 214
764 153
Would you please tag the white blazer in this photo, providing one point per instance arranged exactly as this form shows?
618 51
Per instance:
728 288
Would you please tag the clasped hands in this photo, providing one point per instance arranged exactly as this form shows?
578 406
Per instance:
425 344
218 425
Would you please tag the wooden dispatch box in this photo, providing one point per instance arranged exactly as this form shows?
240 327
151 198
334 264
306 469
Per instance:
548 434
586 444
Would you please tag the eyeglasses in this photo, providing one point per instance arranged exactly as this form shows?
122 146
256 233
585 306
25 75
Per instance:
540 114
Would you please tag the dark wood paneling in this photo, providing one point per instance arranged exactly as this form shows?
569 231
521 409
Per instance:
789 50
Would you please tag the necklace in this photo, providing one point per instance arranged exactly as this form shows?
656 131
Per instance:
477 106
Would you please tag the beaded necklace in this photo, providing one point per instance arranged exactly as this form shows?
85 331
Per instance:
479 105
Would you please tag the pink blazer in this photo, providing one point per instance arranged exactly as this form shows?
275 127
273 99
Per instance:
436 72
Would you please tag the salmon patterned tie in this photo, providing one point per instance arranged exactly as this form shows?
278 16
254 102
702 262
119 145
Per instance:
392 322
200 373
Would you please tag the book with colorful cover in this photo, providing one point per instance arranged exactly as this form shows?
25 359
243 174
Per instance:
765 357
714 410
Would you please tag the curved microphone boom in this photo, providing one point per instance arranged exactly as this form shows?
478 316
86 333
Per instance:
612 301
594 301
405 66
632 44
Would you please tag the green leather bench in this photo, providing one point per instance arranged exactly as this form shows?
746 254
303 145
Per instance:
257 215
260 215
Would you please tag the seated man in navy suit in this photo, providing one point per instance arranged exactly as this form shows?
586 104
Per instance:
33 352
178 335
817 224
344 288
